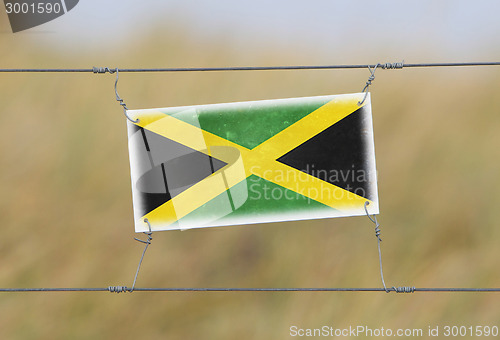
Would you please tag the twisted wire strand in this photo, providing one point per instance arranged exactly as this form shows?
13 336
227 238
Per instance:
379 239
392 66
102 70
147 243
368 83
371 78
117 289
120 100
404 289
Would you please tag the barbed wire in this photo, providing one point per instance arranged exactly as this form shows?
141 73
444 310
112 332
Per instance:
398 65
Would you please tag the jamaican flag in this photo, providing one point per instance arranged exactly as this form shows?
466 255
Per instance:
252 162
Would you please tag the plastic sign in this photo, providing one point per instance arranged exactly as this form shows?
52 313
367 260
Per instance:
252 162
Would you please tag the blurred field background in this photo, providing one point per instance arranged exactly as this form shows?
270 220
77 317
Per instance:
66 210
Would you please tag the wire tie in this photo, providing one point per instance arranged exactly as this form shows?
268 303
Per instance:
392 66
102 70
385 66
121 289
149 233
147 243
368 83
120 100
377 235
404 289
117 289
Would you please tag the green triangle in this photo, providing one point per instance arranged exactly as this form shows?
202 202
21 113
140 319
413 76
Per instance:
248 123
264 198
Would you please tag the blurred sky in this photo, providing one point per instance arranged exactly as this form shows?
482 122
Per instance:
343 31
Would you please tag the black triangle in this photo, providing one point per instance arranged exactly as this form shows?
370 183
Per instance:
339 155
171 169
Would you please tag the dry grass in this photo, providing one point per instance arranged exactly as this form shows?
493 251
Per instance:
65 206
